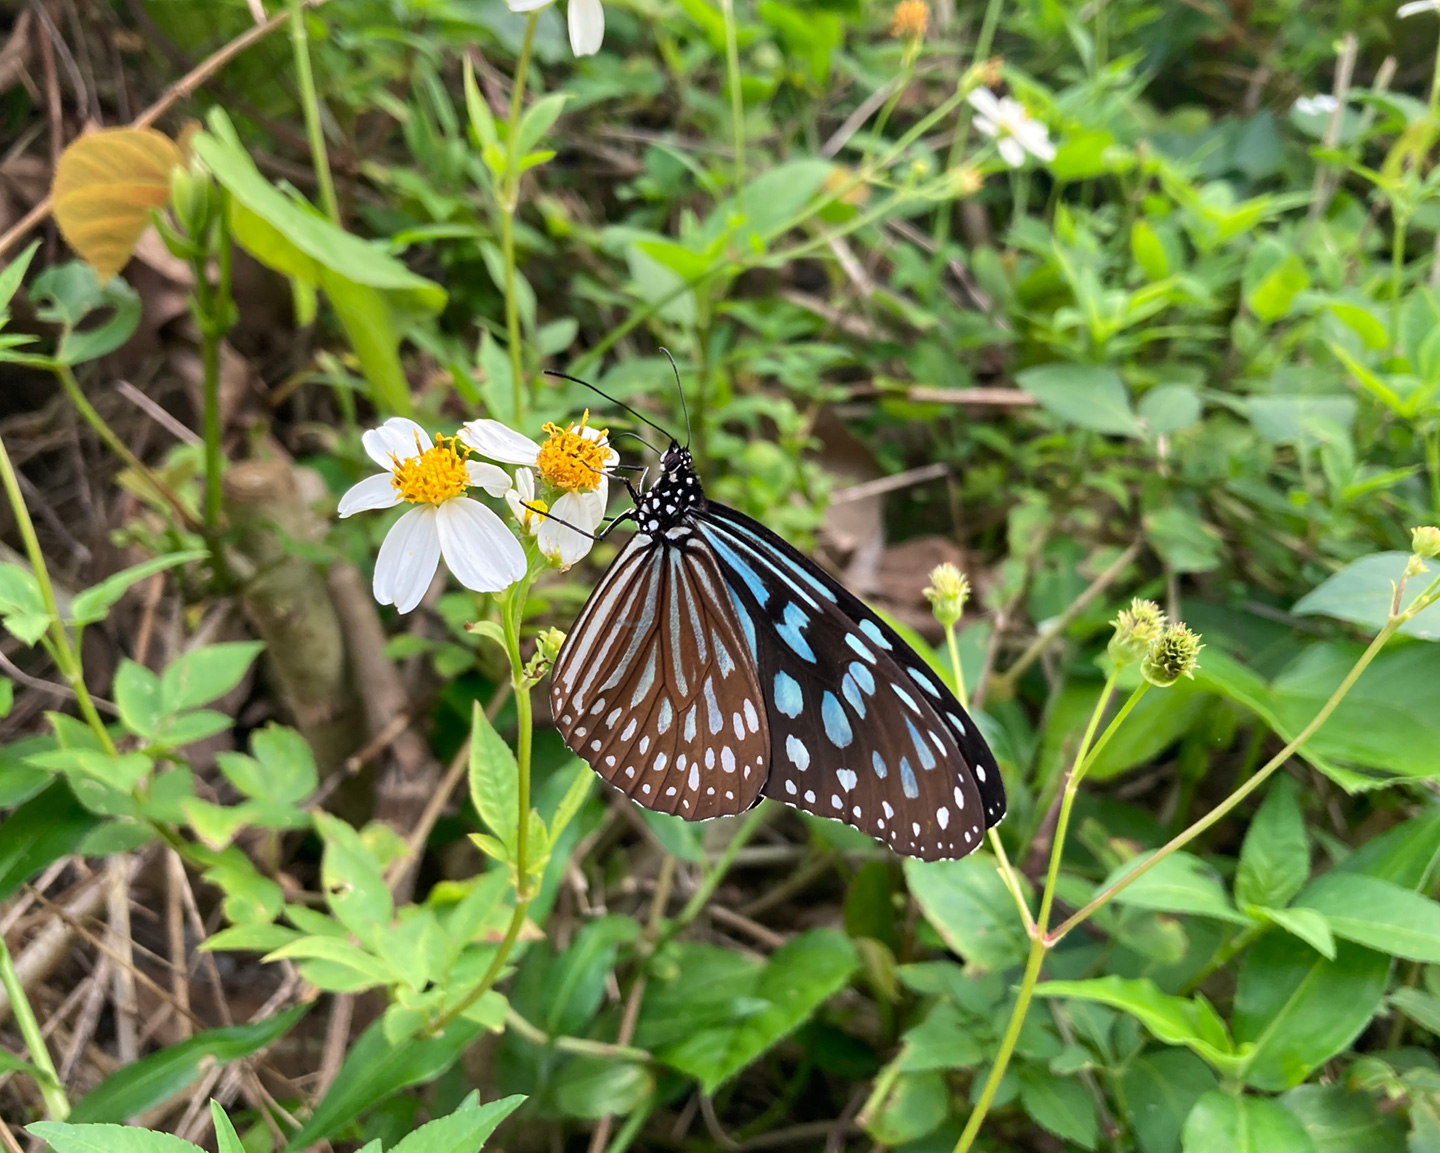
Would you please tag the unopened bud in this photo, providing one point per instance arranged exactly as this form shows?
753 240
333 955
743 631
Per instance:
911 19
1425 541
963 180
1136 629
1172 656
192 199
547 649
947 593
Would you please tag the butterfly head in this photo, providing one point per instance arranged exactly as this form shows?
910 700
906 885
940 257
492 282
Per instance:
675 495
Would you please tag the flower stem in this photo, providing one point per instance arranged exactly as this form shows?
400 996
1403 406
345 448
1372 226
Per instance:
1424 600
61 646
953 646
509 205
983 43
310 102
1397 274
57 1105
737 97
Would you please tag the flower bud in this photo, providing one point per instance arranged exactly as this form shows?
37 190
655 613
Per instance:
192 199
911 19
1172 656
1425 541
1136 629
547 648
947 593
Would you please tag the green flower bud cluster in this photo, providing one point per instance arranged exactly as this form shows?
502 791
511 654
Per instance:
1136 629
1166 652
947 593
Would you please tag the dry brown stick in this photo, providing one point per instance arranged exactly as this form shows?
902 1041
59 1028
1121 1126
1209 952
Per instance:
52 944
25 900
767 937
8 1138
175 882
88 1020
337 1042
212 970
118 907
172 96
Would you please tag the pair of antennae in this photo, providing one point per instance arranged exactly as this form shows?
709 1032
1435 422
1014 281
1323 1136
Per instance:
640 416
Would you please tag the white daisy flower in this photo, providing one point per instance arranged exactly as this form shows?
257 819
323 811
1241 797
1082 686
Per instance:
1415 7
1013 129
586 20
433 476
1321 104
574 460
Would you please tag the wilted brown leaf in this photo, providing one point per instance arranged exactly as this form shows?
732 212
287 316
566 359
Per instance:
106 184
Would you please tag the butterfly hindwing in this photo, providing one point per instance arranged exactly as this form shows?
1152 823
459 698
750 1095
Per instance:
654 687
862 730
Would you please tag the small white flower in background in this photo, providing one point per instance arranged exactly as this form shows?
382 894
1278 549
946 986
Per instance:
1321 104
433 476
1417 6
1013 129
586 20
574 460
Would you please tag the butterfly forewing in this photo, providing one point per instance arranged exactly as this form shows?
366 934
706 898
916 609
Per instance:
861 729
655 689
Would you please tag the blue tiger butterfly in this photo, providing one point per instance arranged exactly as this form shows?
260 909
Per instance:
714 665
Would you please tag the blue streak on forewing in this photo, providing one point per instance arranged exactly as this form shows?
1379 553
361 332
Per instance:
789 632
922 750
908 784
788 697
768 551
837 725
872 630
864 680
852 694
741 567
877 762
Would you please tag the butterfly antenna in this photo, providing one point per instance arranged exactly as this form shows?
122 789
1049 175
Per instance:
680 388
640 416
641 439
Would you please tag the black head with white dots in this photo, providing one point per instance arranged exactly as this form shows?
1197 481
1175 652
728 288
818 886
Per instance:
674 497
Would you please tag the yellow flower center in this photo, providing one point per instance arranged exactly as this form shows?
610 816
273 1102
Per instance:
910 20
570 460
532 512
434 476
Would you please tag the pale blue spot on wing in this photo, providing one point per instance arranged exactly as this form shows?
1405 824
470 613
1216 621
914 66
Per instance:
781 560
837 725
847 778
872 630
742 568
853 695
788 697
877 762
863 679
859 646
789 631
797 752
922 750
908 782
906 697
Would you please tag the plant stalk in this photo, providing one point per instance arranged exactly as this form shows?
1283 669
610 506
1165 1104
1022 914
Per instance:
737 97
310 102
954 649
509 205
57 1105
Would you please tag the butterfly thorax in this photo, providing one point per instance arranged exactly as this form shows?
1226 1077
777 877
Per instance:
674 498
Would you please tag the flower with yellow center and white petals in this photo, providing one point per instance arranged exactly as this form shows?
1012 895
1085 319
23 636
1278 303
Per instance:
586 21
574 460
1014 131
433 476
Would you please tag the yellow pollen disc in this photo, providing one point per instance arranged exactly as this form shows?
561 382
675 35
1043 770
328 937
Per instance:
434 476
534 511
570 461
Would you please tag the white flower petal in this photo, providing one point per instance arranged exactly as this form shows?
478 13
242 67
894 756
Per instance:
1011 150
1417 6
492 478
493 440
1035 139
527 5
482 553
373 492
397 436
561 543
985 126
407 559
985 102
521 495
587 26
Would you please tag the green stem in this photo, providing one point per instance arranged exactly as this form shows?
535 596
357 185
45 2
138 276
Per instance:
1221 810
57 1105
1397 275
62 648
983 43
737 98
310 103
953 646
1432 466
509 205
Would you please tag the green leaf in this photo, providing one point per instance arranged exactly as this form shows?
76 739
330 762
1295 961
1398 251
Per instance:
1274 276
137 696
1275 858
68 1138
1301 420
917 1105
1407 855
229 1141
464 1131
1420 1007
1169 408
1363 591
152 1080
594 1086
1306 924
1174 1020
1298 1009
44 829
68 293
1183 539
575 985
374 1069
1342 1122
94 603
11 277
1220 1123
944 1040
1148 250
353 880
494 779
1160 1090
365 966
1060 1105
538 119
1085 395
281 771
1180 883
1378 914
969 906
205 674
574 798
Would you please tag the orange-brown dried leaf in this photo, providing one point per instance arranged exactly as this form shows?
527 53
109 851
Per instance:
106 185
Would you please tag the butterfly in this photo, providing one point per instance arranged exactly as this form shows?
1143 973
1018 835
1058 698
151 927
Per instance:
714 665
